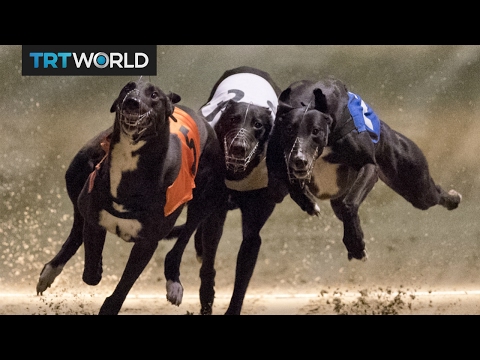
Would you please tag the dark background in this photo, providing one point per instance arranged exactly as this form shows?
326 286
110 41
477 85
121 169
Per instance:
430 93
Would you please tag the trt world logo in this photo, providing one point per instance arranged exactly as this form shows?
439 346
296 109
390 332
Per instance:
78 60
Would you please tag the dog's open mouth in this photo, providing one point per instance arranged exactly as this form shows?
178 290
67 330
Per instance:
240 148
134 116
134 122
301 174
300 168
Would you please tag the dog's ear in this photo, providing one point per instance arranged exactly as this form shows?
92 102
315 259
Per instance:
114 106
320 101
285 94
174 98
227 104
282 108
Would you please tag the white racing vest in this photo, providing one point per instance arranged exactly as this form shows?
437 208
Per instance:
244 87
248 88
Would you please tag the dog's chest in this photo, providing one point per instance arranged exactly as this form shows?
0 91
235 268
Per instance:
122 160
325 175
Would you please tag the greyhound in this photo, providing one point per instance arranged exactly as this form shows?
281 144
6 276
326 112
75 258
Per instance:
133 180
241 108
330 144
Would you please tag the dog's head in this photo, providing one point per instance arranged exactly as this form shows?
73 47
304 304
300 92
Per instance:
142 109
243 130
302 133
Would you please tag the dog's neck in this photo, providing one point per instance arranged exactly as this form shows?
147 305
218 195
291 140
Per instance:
244 179
126 157
341 127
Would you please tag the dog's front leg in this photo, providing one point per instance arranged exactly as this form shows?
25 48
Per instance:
140 256
93 241
305 199
209 235
55 266
256 209
346 209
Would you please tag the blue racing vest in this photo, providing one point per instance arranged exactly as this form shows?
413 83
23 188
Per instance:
363 116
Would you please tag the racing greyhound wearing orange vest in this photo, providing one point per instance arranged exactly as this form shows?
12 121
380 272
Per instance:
133 180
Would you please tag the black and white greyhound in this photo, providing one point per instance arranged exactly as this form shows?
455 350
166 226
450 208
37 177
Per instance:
330 144
241 108
133 180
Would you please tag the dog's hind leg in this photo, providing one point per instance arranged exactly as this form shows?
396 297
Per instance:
256 210
418 188
346 209
449 200
404 168
141 254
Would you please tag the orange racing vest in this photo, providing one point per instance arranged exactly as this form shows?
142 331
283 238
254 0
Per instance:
180 191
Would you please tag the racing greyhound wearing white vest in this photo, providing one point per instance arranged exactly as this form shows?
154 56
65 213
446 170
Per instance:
241 108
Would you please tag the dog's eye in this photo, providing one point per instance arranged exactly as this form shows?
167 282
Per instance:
154 95
315 131
257 125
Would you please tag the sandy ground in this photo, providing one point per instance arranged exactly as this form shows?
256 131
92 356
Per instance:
363 302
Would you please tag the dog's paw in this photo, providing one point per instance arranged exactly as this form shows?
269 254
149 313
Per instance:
92 275
454 198
315 211
362 255
174 292
207 309
47 276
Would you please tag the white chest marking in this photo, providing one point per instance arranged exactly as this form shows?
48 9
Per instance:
124 228
325 175
122 161
258 179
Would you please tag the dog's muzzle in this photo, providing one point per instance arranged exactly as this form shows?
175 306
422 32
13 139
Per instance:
240 149
134 116
299 165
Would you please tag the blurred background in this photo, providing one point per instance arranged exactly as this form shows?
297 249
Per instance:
430 93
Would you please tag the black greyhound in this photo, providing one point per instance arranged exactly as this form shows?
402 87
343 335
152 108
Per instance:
329 142
133 180
241 108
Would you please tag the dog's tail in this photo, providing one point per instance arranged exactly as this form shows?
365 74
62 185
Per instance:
175 232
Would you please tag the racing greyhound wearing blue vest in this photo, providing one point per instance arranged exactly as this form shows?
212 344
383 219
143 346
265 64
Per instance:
330 144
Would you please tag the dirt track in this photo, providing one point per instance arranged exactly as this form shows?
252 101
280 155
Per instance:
363 302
